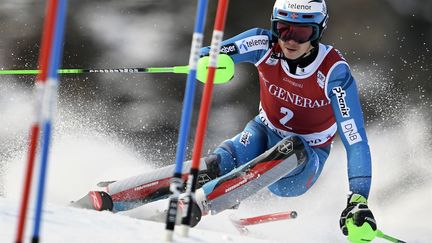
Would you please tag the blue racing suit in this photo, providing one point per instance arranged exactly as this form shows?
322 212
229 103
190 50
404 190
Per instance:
258 136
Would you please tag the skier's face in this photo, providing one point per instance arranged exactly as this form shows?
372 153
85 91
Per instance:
293 50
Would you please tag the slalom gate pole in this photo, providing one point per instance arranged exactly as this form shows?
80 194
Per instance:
48 106
35 127
177 181
221 13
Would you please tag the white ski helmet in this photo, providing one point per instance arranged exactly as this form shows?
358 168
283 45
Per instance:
304 12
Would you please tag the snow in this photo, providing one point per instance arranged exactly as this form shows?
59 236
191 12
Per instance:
400 197
66 224
82 155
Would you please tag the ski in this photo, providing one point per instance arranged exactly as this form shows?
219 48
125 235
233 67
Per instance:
154 211
240 224
96 200
226 191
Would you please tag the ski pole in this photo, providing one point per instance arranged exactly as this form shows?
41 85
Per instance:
48 106
380 234
35 127
240 224
224 70
176 69
268 218
221 13
177 181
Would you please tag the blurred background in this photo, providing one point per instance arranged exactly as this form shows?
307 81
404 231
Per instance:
387 43
118 120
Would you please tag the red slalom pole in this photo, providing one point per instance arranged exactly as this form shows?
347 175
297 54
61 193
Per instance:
215 47
47 38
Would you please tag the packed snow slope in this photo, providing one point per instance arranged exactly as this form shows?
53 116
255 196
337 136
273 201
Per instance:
400 198
85 152
66 224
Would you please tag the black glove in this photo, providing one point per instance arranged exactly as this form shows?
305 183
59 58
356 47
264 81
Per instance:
353 219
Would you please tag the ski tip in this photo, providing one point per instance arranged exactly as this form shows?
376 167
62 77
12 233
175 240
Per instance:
95 200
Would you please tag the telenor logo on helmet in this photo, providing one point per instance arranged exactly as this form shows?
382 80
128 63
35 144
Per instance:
297 6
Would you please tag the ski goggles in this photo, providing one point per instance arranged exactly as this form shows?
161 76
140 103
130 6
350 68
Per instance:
300 33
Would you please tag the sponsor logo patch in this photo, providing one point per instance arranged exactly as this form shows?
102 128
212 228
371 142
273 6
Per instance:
295 99
321 79
248 176
272 61
259 42
297 6
286 147
244 138
203 179
315 141
350 131
295 84
343 107
139 188
229 49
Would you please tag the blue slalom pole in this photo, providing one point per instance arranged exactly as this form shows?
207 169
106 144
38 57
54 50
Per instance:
177 182
48 108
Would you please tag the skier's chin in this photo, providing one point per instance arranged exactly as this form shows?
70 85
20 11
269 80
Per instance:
293 50
292 54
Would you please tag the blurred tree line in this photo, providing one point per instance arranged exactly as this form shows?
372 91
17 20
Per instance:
387 43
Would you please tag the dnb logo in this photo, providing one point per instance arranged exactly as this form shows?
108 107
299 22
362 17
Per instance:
286 147
351 132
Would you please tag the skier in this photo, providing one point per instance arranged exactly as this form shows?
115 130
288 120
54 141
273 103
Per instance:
307 94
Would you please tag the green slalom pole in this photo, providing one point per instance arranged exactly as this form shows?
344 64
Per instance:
224 71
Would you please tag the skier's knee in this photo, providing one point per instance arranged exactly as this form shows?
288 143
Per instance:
300 148
292 184
212 163
226 154
301 179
